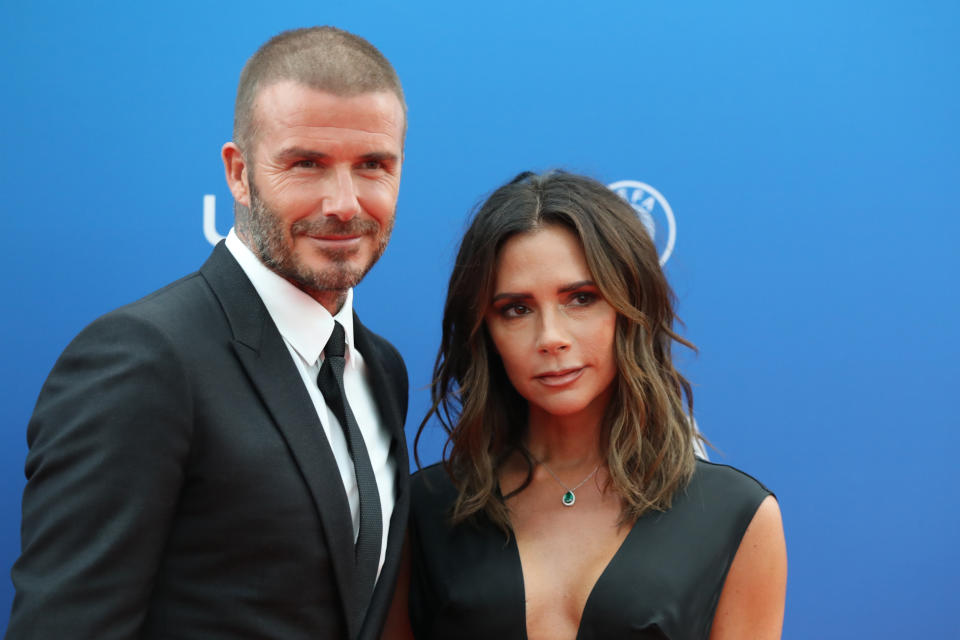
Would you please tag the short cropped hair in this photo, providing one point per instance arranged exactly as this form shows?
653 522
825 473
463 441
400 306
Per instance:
323 58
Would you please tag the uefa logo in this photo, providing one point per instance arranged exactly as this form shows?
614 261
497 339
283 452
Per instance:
653 210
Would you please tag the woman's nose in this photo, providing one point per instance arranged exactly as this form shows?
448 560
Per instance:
553 336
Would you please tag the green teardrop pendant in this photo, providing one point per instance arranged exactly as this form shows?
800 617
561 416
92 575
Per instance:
569 499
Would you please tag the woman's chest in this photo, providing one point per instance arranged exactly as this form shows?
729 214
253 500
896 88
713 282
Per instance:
562 556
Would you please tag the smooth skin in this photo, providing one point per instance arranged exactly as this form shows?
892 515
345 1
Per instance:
555 332
555 335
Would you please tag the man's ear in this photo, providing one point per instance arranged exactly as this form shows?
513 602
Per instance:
235 168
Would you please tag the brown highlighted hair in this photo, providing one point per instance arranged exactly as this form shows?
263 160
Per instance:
648 424
322 58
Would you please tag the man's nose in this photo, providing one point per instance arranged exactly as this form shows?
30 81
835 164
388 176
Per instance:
340 200
553 337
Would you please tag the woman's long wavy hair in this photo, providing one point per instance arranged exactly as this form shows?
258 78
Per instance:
648 424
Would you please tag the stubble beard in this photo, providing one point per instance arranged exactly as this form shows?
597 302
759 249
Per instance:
265 230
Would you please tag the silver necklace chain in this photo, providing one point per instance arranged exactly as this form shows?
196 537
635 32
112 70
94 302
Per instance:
569 498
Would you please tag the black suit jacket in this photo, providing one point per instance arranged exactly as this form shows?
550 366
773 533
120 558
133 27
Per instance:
179 483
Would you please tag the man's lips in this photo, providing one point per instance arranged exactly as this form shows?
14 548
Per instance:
334 239
559 377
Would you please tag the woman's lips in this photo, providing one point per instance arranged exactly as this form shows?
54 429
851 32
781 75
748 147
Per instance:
560 378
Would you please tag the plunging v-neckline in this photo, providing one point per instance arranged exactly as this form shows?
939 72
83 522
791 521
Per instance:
518 567
662 582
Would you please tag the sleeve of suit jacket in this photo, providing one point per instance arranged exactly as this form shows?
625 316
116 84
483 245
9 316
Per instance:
108 441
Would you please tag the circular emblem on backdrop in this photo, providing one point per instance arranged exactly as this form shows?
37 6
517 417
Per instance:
653 210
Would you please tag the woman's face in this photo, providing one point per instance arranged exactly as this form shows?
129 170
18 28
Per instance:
552 328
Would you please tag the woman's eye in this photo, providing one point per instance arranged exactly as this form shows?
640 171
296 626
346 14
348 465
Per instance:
583 298
514 310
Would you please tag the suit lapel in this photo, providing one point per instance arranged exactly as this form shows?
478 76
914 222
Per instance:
267 362
391 406
390 393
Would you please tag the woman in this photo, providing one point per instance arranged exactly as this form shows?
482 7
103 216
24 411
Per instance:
570 503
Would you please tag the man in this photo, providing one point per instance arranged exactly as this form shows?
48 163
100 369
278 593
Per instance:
194 468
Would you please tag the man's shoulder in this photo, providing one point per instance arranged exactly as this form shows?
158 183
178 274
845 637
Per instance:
180 303
182 312
373 344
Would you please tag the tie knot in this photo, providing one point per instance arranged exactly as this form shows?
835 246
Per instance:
335 345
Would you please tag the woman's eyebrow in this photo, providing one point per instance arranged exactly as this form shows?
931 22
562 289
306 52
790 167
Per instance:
577 285
567 288
510 296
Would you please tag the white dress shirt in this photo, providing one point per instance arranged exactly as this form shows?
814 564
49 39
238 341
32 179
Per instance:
305 326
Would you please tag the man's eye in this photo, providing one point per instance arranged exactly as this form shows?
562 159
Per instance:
305 164
371 165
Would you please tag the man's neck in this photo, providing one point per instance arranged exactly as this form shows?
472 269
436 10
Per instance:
332 300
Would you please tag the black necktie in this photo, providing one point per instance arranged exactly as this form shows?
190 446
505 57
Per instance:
330 381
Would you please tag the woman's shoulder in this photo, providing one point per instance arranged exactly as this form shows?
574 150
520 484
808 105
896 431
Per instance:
430 475
727 476
431 487
726 489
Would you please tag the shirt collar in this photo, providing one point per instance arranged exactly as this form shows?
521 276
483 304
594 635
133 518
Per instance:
302 321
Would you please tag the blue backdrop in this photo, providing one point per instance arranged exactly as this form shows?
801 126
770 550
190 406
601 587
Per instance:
810 154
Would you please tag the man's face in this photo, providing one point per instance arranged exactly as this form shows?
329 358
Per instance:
323 184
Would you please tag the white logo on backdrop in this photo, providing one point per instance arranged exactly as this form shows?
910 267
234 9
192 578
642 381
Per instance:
653 210
210 219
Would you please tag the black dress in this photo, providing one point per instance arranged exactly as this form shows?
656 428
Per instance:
663 582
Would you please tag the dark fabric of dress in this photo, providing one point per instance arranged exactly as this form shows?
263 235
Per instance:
663 582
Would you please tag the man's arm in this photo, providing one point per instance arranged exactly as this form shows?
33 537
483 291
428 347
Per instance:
108 440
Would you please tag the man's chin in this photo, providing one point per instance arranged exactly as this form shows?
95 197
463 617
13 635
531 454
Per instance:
339 269
329 278
326 271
